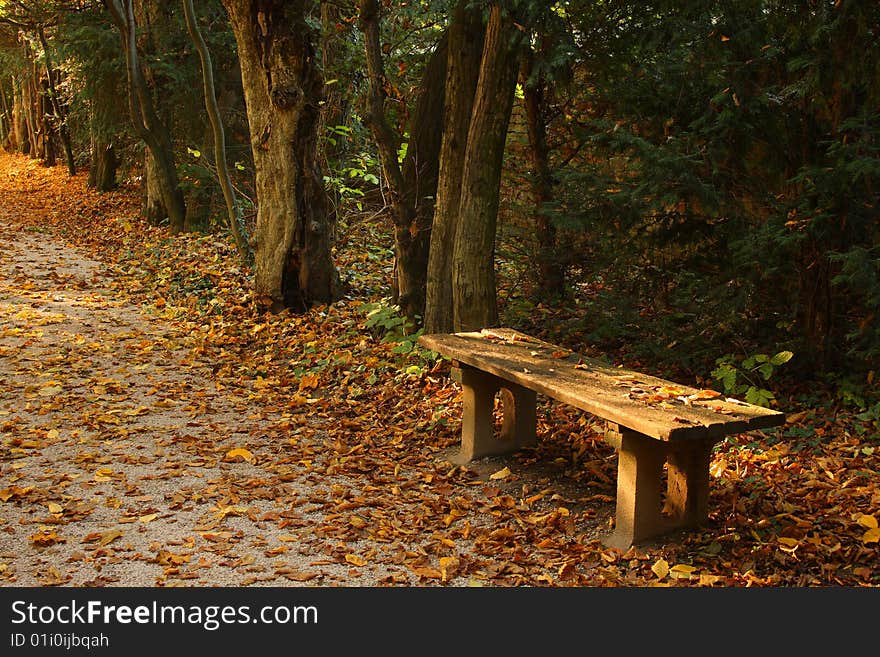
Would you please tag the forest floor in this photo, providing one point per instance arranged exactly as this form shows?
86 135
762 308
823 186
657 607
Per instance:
158 431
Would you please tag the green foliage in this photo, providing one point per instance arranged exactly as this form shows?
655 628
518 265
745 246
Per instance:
349 182
745 376
386 321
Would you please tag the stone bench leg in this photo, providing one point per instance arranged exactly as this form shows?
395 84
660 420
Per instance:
478 424
640 462
687 495
641 459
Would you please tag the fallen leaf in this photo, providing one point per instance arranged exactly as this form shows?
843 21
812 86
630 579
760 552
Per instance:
660 568
355 560
501 474
868 521
241 452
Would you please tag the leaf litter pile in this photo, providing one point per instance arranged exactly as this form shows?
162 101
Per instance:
158 431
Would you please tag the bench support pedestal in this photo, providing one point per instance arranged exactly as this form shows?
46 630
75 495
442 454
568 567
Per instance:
641 512
478 423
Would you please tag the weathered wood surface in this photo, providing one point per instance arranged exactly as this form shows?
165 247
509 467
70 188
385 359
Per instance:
652 406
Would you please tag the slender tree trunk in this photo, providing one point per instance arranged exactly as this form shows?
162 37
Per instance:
233 209
551 276
145 121
19 117
463 70
58 113
412 187
29 107
8 136
282 87
473 269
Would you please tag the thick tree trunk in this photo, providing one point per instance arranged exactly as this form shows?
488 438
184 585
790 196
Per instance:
282 87
473 267
153 197
463 70
473 270
103 161
551 276
103 164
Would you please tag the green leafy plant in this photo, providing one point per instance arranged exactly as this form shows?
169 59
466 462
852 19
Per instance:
385 319
744 377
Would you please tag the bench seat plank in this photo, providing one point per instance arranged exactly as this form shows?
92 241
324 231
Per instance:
649 405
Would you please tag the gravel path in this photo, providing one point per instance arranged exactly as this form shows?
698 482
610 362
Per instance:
118 464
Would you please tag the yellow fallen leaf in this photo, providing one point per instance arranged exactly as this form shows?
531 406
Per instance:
52 434
501 474
50 391
867 521
150 517
660 568
789 542
54 508
871 536
681 571
709 580
223 511
108 537
242 452
355 560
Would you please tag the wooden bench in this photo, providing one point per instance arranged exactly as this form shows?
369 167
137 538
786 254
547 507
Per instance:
654 424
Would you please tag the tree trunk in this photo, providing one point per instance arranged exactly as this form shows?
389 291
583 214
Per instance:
282 86
551 276
7 138
233 210
463 70
58 111
103 164
413 186
473 268
19 118
145 120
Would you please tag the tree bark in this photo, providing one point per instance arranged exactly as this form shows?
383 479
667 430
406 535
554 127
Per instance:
463 69
473 269
145 121
283 86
